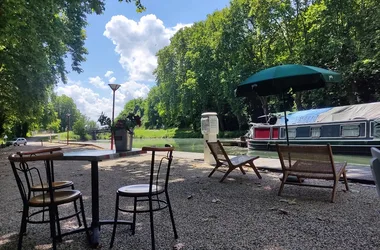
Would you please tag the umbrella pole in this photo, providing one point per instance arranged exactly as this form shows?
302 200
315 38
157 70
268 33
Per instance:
286 121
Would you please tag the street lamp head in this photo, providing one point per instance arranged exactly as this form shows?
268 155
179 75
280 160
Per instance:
114 86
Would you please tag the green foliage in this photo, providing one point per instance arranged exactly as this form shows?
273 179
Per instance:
139 7
201 67
54 126
91 125
127 122
35 38
66 110
79 127
72 136
203 64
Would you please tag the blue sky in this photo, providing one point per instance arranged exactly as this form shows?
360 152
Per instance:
122 45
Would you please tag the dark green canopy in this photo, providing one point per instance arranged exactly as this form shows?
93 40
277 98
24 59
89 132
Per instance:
280 79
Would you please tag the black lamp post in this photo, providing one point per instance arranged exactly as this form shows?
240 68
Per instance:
114 87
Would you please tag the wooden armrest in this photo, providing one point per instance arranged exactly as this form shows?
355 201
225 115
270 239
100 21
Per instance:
38 151
163 149
19 158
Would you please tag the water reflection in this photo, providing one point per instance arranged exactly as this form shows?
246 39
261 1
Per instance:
196 145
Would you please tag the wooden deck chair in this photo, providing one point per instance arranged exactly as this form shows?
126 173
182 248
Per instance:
222 159
313 162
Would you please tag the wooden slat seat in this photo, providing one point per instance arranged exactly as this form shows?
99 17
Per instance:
56 185
314 162
60 197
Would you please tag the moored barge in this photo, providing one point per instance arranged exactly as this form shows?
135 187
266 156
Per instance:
351 129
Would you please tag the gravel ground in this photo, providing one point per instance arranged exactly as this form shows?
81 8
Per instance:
241 213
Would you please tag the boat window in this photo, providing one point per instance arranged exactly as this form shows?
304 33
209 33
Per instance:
316 132
376 129
350 131
292 133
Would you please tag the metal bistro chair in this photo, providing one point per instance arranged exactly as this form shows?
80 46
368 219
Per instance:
56 184
158 185
47 199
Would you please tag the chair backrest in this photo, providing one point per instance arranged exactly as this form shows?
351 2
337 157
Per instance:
375 167
309 158
160 169
28 171
218 152
41 151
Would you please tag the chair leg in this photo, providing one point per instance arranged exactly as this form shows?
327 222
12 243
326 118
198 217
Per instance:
227 173
84 219
59 237
52 215
115 220
216 167
334 191
255 169
345 180
151 222
241 169
22 227
76 209
133 227
284 177
24 222
171 214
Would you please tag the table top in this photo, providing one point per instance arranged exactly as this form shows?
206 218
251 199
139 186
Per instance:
98 155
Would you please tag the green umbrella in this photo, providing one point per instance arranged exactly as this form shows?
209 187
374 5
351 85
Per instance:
282 78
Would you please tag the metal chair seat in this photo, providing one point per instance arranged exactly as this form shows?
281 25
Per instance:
56 185
60 197
139 190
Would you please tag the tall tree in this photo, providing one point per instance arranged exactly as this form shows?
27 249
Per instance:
35 38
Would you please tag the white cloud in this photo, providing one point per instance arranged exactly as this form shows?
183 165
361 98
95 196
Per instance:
108 73
92 104
138 42
97 82
132 90
112 80
87 101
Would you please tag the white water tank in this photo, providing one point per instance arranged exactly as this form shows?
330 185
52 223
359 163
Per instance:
209 129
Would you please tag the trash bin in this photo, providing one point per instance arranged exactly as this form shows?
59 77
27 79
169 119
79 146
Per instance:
123 140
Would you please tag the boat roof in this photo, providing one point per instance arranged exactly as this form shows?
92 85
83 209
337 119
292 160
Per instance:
366 111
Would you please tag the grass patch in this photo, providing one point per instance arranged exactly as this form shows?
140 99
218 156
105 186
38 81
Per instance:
166 133
142 133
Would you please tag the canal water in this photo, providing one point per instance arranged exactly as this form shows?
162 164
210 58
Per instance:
196 145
